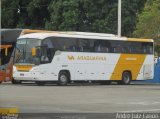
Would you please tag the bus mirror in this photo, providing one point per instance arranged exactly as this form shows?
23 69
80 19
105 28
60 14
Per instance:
33 51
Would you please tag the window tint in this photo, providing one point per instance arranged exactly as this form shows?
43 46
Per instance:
99 46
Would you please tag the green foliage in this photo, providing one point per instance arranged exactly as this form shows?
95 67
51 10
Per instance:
149 21
93 15
38 13
71 15
9 13
23 18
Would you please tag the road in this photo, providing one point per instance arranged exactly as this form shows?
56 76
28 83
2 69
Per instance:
80 98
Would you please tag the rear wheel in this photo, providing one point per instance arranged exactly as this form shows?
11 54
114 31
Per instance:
40 83
16 81
63 78
126 78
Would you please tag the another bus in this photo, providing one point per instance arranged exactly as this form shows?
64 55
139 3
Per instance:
6 63
7 43
67 57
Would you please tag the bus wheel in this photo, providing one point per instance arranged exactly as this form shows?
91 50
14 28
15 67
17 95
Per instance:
16 81
40 83
63 79
126 78
0 82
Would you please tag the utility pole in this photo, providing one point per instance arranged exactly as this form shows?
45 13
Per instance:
119 17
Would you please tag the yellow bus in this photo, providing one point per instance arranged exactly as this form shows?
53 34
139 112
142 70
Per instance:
67 57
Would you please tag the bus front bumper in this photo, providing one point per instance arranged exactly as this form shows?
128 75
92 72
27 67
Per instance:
26 76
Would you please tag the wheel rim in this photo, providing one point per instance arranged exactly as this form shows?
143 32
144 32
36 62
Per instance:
63 79
126 79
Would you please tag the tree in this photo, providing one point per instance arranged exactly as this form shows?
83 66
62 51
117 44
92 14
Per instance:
93 15
38 13
24 13
71 15
9 13
23 19
149 21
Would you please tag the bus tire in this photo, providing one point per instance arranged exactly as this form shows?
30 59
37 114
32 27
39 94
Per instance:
16 81
63 78
126 78
0 82
40 83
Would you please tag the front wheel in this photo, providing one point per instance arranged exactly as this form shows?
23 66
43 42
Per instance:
63 79
0 82
126 78
16 81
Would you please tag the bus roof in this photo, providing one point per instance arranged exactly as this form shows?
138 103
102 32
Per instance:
9 35
86 35
29 31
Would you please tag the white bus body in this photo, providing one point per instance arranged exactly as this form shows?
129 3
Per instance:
111 62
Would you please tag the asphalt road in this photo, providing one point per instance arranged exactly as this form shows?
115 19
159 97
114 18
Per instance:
81 98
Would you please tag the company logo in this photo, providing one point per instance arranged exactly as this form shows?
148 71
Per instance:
70 57
96 58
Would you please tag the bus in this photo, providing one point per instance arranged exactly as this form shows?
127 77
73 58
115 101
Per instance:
6 63
7 43
66 57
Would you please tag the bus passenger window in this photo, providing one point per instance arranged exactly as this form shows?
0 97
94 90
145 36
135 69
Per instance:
150 50
80 49
98 48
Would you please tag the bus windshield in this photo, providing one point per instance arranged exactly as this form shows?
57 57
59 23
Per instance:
23 52
5 54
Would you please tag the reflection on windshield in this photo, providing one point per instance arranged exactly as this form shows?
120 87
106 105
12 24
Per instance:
23 53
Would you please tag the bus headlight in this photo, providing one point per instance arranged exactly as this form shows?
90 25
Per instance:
14 69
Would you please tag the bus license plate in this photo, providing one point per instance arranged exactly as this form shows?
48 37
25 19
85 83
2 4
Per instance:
21 74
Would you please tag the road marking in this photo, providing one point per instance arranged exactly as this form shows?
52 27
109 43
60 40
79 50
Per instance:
12 110
149 110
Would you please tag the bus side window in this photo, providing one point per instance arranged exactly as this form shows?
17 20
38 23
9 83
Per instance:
145 50
150 50
80 49
73 48
113 50
98 48
107 50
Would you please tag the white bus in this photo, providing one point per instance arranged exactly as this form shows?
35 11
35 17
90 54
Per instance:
67 57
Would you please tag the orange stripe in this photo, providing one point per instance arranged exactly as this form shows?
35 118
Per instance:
140 40
129 62
24 67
